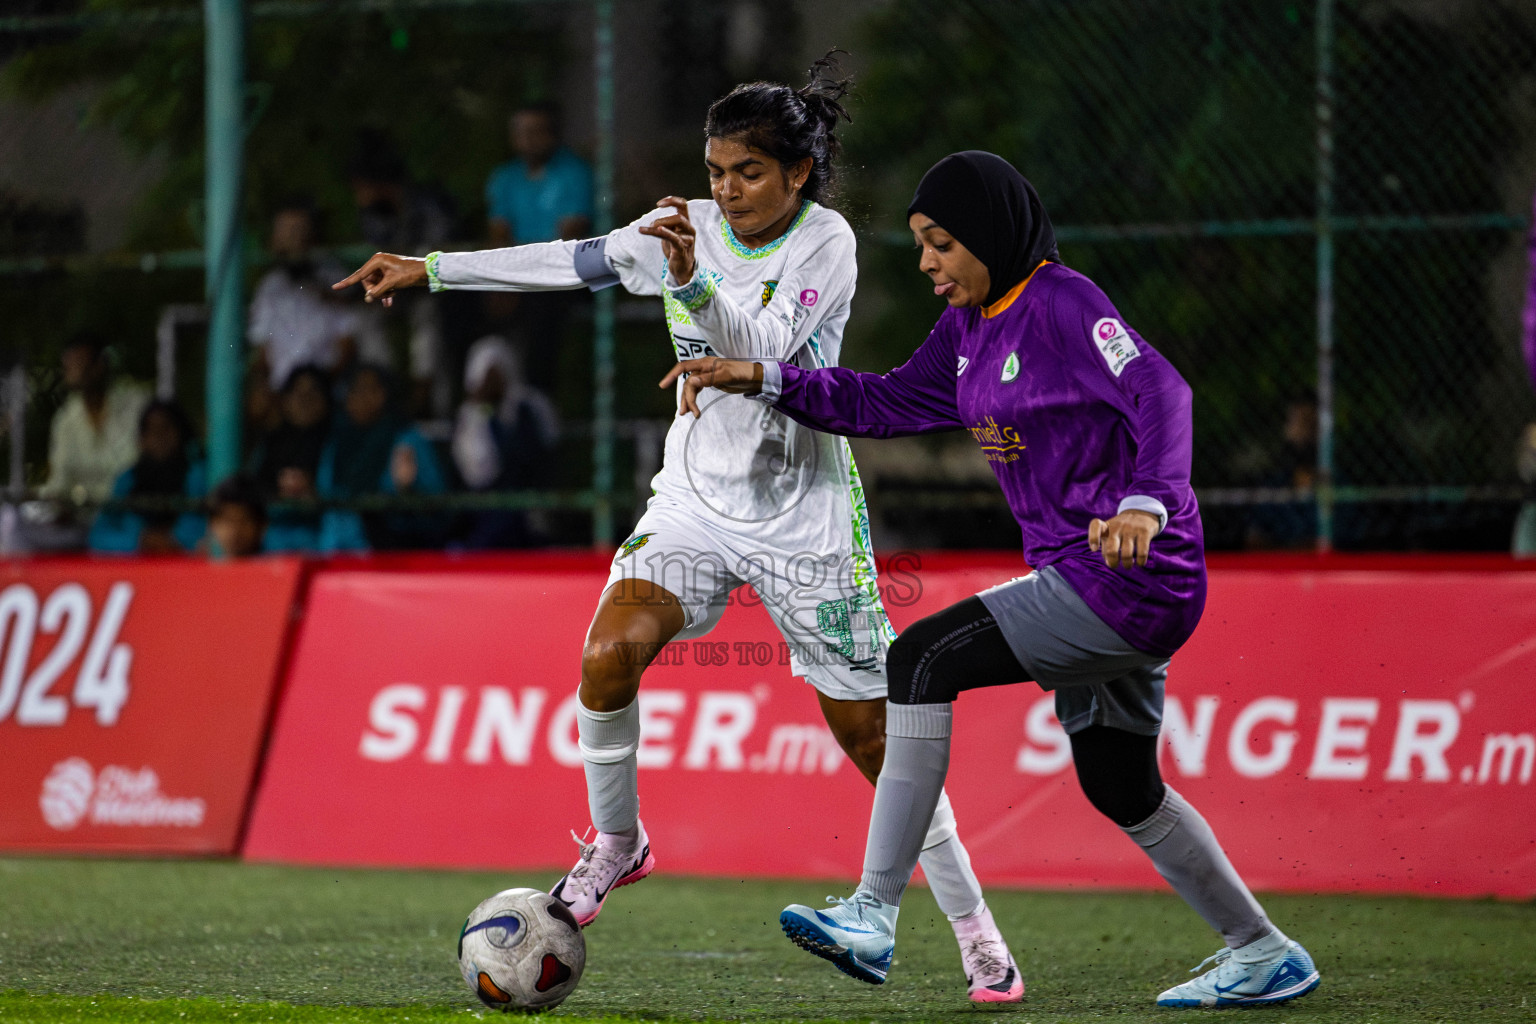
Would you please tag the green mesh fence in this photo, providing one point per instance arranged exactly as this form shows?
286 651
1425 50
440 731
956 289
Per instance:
1296 202
1315 208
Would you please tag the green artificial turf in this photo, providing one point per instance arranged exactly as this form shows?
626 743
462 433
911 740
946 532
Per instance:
217 941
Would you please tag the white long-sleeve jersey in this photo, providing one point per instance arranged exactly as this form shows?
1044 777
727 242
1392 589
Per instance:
745 466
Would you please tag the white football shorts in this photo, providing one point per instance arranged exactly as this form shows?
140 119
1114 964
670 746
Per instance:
833 623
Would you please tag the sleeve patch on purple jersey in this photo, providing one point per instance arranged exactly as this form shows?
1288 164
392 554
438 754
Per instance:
1115 343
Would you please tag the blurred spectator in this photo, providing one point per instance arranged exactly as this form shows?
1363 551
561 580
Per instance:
1290 524
263 411
287 461
544 194
1528 313
295 318
94 434
167 470
1523 544
237 518
503 440
373 451
400 216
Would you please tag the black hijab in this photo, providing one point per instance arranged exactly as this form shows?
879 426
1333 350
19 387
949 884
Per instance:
993 211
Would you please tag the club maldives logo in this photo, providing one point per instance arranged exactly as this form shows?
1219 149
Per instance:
809 296
74 793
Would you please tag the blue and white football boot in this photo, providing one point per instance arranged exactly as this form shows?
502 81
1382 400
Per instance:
1287 975
858 934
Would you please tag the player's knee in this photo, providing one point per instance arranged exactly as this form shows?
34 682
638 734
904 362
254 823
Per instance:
865 747
914 672
610 673
1118 773
1123 803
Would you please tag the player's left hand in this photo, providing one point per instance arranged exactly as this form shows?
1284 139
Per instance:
1125 539
677 236
737 376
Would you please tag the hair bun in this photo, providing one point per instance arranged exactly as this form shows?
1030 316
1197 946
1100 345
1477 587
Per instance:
823 93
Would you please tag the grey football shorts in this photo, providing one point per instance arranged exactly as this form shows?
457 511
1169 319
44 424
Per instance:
1097 677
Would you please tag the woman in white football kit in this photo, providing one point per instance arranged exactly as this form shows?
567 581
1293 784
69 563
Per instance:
745 495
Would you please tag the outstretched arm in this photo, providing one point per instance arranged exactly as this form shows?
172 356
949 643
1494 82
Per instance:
595 263
917 397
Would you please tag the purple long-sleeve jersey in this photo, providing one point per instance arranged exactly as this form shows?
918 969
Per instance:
1080 419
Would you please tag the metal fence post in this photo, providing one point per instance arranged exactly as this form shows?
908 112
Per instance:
1325 275
224 90
603 312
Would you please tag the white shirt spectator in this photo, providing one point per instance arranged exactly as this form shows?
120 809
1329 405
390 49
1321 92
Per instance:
476 452
299 321
84 461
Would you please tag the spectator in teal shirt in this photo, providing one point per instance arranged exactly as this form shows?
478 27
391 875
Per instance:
543 195
546 193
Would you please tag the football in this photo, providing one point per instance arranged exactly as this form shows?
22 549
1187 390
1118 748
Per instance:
521 949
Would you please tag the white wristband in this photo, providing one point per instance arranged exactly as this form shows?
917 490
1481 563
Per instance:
1143 503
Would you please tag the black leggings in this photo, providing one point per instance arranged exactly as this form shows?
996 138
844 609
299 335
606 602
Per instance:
963 648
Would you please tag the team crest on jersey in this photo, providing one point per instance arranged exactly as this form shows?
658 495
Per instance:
1010 367
769 287
634 544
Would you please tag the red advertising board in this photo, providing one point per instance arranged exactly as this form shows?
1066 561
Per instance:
1343 729
133 699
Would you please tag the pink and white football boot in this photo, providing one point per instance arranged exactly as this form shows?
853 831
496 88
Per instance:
989 968
606 863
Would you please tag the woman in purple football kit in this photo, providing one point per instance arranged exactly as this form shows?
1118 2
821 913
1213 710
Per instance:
1089 431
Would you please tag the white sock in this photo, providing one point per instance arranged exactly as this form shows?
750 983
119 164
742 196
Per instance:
608 741
916 761
947 865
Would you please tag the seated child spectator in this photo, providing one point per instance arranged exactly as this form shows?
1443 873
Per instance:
287 461
374 451
237 519
165 469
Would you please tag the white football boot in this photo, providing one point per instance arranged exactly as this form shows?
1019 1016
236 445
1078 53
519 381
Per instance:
606 863
1286 975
